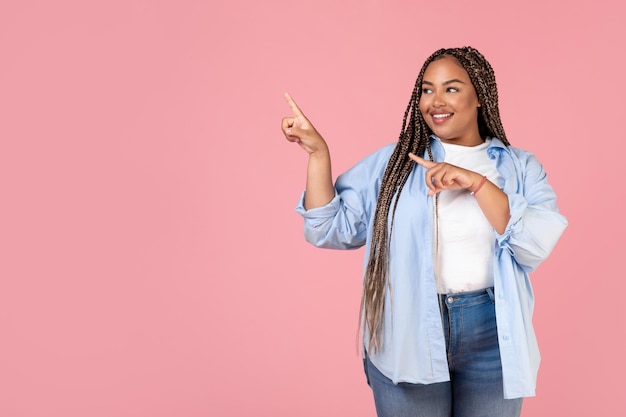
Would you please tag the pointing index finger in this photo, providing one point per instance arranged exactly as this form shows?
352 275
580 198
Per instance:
294 107
421 161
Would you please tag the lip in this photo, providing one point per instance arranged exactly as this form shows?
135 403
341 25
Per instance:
443 117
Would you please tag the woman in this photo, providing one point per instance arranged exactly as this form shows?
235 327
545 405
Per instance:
453 219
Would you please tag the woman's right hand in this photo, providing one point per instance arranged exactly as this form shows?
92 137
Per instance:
319 185
300 130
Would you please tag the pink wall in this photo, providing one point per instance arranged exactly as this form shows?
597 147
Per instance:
151 262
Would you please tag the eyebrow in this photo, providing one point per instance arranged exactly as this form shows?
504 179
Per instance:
454 80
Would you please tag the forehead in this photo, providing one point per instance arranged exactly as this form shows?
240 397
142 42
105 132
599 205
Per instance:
446 68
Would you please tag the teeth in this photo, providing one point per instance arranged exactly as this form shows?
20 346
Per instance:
441 116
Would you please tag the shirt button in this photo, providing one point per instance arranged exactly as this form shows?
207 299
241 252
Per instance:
450 299
505 338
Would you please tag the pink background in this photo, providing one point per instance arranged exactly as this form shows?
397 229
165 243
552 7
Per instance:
151 262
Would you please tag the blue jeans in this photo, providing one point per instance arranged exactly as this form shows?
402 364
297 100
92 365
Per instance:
475 386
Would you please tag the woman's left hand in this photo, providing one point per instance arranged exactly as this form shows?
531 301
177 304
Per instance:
442 176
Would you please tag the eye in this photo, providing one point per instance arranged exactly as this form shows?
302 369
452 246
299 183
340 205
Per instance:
452 90
426 90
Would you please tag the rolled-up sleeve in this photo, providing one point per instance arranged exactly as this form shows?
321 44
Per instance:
536 224
343 223
333 226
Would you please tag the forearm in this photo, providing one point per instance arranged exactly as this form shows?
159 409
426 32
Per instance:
494 204
319 184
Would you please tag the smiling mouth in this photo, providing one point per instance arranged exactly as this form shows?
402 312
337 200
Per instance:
441 116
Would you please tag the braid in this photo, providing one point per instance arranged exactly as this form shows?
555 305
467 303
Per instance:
484 80
415 137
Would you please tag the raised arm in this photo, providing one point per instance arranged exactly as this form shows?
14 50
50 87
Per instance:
319 185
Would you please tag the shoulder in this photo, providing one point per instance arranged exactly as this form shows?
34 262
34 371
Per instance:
377 160
520 155
368 172
382 154
525 157
526 165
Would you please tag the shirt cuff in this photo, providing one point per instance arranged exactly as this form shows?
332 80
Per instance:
318 212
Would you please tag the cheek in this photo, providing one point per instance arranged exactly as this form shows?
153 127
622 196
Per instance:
468 106
473 111
473 103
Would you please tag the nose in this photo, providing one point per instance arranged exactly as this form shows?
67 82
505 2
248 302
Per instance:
438 100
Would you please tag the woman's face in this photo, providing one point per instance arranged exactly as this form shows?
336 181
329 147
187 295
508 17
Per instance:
449 103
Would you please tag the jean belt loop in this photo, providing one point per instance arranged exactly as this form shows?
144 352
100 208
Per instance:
490 292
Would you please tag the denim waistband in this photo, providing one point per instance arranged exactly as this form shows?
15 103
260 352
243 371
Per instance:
469 297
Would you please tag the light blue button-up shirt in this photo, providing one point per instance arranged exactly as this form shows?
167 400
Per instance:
413 348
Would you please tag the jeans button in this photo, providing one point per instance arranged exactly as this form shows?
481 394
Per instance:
450 299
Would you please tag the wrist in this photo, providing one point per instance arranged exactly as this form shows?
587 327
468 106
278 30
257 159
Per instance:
321 152
475 189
